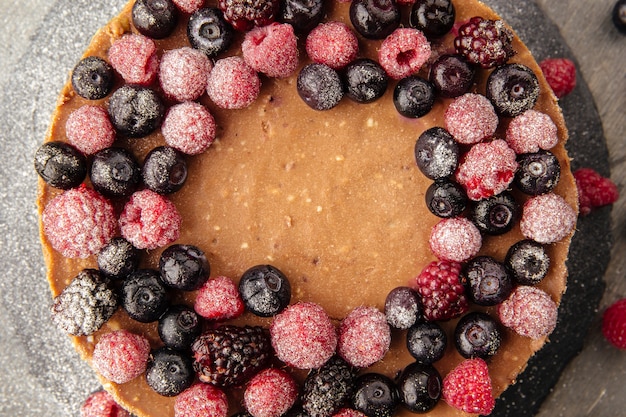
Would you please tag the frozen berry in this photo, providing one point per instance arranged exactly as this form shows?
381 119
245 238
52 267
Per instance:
233 84
164 170
445 198
443 295
594 190
455 239
319 86
114 172
333 44
375 395
433 17
364 337
477 336
60 165
93 78
118 258
154 18
528 262
184 267
189 127
484 42
374 19
413 97
201 400
219 299
486 280
208 32
471 118
531 131
403 52
529 311
188 6
183 73
121 356
614 324
270 393
169 372
619 15
135 58
403 307
426 342
179 326
512 89
102 404
420 387
547 218
328 388
560 74
272 50
265 290
243 15
468 387
303 15
436 153
143 295
451 75
538 172
135 111
497 214
365 80
89 129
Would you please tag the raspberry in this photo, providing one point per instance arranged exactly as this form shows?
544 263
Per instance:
333 44
121 356
303 336
487 169
468 387
79 222
272 50
364 337
271 393
560 74
455 239
529 311
484 42
201 400
348 412
531 131
149 220
188 6
183 73
134 58
102 404
403 52
443 295
614 324
89 129
233 84
547 218
244 14
471 118
594 190
189 128
219 299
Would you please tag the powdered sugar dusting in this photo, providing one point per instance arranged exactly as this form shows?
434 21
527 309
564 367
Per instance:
404 52
183 73
547 218
233 84
270 393
189 127
364 337
121 356
89 129
529 311
455 239
201 400
333 44
219 299
531 131
134 57
471 118
272 50
102 404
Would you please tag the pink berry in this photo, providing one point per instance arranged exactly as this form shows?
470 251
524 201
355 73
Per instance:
456 239
529 311
594 190
219 299
547 218
89 129
471 118
102 404
560 74
188 6
531 131
614 324
364 337
272 50
121 356
270 393
183 73
468 387
333 44
404 52
134 57
233 84
348 412
189 127
201 400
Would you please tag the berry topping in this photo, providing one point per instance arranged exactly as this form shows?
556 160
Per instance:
60 165
169 372
272 50
619 15
614 324
319 86
189 128
118 258
485 42
183 73
374 19
468 387
477 336
233 84
271 393
121 356
528 262
443 295
164 170
413 97
512 89
529 311
265 290
345 412
403 52
436 153
375 395
547 218
134 57
115 172
538 172
560 74
433 17
89 129
303 336
208 32
326 389
188 6
184 267
154 18
365 80
497 214
143 295
426 342
219 299
135 111
364 337
403 307
178 327
85 304
79 222
445 198
419 386
487 281
93 78
102 404
201 400
531 131
594 190
451 75
471 118
455 239
333 44
245 14
303 15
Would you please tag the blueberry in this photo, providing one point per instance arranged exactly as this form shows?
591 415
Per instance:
303 15
179 326
155 18
487 281
115 172
135 111
208 31
619 15
374 19
169 372
93 78
403 307
446 198
528 261
365 80
144 297
375 395
60 165
420 387
184 267
118 258
537 173
512 89
433 17
477 335
426 342
451 75
497 214
414 96
319 86
164 170
265 290
437 153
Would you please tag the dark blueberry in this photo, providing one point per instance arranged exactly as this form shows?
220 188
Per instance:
512 89
420 387
164 170
93 78
446 198
477 335
451 75
144 296
118 258
303 15
179 326
497 214
374 19
208 31
403 307
184 267
169 372
414 96
426 342
114 172
319 86
135 111
265 290
155 18
433 17
619 15
436 153
528 261
488 282
537 173
60 165
375 395
365 80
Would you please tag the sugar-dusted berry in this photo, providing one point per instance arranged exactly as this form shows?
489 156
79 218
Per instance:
560 74
303 15
135 111
512 89
328 388
135 58
333 44
319 86
183 73
477 335
374 395
594 190
374 19
455 239
243 15
271 49
403 307
414 96
201 400
547 218
219 299
89 129
93 78
487 281
179 326
436 153
189 127
164 170
528 261
468 387
419 386
154 18
233 84
270 393
443 295
188 6
265 290
102 404
403 52
348 412
121 356
614 324
365 80
144 296
471 118
169 372
538 172
184 267
426 341
114 172
364 337
60 165
529 311
485 42
208 32
531 131
497 214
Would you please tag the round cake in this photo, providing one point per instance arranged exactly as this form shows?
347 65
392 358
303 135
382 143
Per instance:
330 199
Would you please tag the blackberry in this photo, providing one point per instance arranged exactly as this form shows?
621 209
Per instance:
164 170
179 326
437 153
184 267
446 198
433 17
403 307
118 258
414 96
319 86
528 261
537 173
327 389
265 290
169 372
451 75
420 387
144 297
93 78
208 32
497 214
487 281
85 304
375 395
229 355
374 19
303 15
426 342
619 15
114 172
477 336
365 80
484 42
243 15
155 18
135 111
512 89
60 165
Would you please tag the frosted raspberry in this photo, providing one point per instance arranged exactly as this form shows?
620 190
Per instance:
547 218
79 222
443 295
121 356
487 169
455 239
189 127
560 74
614 324
272 50
89 129
468 387
529 311
188 6
404 52
219 299
333 44
364 337
531 131
183 73
201 400
102 404
149 220
594 190
471 118
303 336
271 393
233 84
348 412
134 57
